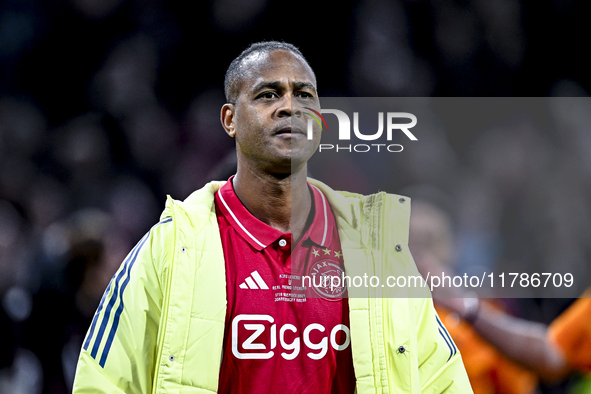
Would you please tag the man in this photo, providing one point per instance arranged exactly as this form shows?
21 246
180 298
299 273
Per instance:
212 298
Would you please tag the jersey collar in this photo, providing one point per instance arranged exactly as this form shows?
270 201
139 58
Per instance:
260 235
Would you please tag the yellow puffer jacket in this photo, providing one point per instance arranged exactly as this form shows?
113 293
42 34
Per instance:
160 325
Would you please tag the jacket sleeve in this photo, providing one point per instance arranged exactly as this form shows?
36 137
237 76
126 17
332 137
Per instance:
120 347
571 332
441 369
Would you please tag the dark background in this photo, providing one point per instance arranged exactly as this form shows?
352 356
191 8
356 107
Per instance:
106 106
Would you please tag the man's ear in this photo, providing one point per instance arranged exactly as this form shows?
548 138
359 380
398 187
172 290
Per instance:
227 118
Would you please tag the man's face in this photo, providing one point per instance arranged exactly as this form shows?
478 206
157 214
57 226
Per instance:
269 124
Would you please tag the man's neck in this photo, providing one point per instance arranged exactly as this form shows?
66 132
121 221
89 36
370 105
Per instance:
283 203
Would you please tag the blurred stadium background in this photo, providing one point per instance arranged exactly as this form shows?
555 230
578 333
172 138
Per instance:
106 106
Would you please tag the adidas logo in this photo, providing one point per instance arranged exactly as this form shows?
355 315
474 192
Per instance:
257 283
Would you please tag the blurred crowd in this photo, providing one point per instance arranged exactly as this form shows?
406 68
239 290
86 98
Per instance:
106 106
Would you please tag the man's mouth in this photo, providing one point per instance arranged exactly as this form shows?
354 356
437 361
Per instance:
289 130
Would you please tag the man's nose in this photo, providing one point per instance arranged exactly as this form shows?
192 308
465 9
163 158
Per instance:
289 107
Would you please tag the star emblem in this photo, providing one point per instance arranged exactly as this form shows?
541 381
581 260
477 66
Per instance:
327 251
315 252
338 255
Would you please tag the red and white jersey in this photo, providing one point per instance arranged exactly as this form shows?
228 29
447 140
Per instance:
283 334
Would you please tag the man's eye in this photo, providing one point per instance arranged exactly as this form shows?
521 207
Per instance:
304 95
268 95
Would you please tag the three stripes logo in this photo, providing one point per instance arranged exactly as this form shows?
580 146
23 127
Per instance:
254 282
106 319
453 350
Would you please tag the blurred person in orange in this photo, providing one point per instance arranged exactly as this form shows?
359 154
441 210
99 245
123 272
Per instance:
431 242
555 353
